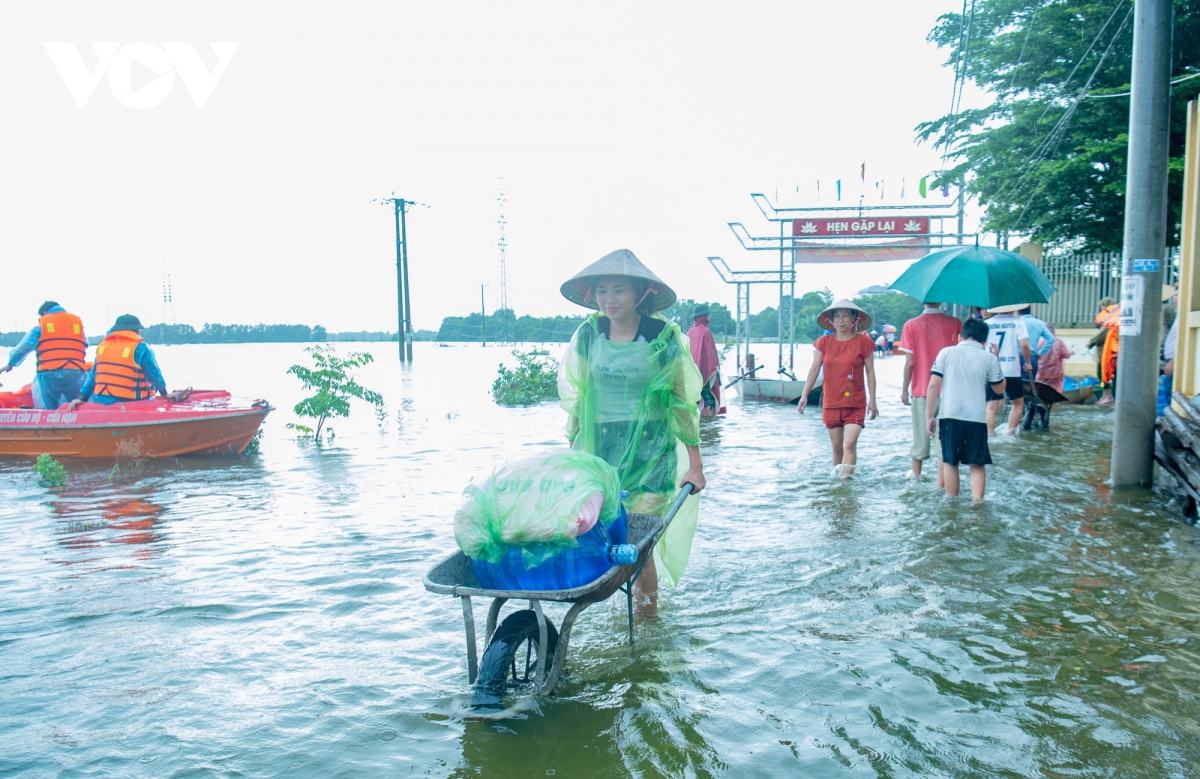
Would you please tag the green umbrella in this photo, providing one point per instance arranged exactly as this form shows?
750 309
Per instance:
975 276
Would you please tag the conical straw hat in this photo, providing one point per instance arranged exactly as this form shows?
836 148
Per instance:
622 262
825 318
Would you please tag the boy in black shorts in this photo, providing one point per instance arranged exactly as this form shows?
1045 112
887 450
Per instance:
958 385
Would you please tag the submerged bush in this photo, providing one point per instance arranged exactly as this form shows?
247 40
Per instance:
50 471
334 379
533 380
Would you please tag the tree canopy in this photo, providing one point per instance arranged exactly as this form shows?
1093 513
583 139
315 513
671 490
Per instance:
1047 157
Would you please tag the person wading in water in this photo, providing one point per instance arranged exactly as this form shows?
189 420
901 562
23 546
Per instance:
632 392
846 355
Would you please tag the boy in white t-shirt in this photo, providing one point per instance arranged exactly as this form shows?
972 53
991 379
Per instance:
1008 339
957 394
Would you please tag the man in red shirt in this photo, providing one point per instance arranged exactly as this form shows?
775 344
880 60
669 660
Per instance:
921 340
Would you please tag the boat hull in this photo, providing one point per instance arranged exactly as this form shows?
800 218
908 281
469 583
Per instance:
774 390
152 428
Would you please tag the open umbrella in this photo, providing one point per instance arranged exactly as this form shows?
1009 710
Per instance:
975 276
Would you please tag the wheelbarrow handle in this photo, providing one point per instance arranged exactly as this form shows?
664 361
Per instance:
672 510
687 489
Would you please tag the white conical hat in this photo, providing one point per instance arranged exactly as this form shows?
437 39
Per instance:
622 262
825 318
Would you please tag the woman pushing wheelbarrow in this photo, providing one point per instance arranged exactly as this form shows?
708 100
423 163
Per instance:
630 389
631 392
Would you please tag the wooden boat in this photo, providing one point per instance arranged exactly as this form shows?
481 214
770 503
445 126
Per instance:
1079 390
189 422
777 390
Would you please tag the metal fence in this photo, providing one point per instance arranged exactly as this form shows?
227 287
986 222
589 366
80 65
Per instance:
1082 279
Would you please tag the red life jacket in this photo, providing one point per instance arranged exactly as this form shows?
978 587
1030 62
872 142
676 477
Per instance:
61 344
117 374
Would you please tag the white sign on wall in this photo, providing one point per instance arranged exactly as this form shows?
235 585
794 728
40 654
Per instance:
1132 289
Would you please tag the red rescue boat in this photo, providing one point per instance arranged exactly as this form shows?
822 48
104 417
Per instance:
188 422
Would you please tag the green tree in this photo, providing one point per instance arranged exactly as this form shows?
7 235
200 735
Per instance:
334 381
1047 157
808 308
720 321
890 309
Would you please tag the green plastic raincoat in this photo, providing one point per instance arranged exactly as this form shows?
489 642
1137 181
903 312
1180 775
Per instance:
635 406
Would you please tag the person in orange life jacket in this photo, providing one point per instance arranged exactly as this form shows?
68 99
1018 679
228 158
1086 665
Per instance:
60 344
125 367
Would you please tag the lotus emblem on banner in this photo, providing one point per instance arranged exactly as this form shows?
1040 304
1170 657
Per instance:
912 226
808 228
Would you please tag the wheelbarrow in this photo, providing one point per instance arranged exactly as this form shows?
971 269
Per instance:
544 645
1039 399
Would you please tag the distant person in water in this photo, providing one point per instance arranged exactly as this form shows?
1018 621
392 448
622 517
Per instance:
848 359
956 405
125 368
704 352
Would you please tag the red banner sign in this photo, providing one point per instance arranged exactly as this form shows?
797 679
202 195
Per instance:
873 225
911 249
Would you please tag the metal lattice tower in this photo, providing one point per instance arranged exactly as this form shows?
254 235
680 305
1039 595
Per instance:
168 315
502 243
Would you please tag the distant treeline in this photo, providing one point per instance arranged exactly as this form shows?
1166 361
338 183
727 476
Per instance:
233 334
504 325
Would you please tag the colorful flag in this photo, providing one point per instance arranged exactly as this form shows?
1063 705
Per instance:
901 187
945 190
839 189
862 172
921 188
818 190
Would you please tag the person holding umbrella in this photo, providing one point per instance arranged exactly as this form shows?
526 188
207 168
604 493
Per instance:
846 356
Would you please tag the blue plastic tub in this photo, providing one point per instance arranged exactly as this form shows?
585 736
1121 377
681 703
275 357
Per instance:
568 569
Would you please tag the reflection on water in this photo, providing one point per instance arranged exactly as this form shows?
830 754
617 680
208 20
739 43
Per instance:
267 617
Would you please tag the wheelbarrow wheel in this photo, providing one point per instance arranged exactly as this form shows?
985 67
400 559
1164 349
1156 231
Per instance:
510 659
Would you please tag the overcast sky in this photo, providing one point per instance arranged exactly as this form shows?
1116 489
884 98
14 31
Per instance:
614 124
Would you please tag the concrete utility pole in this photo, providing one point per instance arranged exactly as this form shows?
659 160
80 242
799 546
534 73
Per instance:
403 299
399 281
1145 245
406 335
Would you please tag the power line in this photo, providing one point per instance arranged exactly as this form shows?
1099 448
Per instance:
1067 80
960 76
1179 80
1021 56
1054 136
1071 110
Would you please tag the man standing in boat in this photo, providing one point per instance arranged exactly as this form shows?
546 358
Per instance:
125 367
61 349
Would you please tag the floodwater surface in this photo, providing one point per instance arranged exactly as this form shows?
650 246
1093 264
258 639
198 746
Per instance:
266 616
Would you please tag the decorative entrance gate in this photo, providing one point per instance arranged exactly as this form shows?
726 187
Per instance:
831 234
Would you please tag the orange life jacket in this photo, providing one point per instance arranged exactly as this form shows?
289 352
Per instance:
61 344
1110 317
117 374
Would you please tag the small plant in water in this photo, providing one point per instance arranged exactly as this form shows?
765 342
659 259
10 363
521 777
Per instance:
252 448
333 379
533 380
50 471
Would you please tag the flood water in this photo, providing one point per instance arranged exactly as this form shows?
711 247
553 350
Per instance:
266 617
